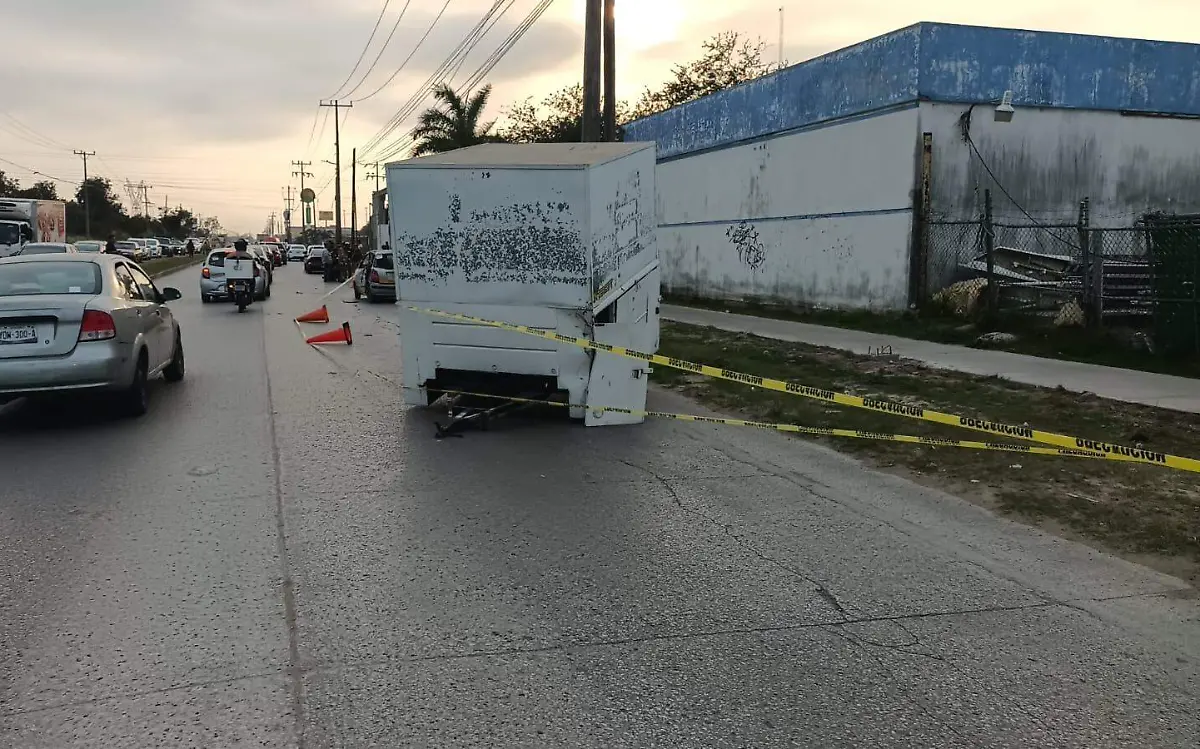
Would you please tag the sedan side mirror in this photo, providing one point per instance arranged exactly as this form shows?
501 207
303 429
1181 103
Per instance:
170 294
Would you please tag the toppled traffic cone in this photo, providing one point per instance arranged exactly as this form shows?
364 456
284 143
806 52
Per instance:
317 315
341 335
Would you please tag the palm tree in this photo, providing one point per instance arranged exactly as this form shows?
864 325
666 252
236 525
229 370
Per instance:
453 123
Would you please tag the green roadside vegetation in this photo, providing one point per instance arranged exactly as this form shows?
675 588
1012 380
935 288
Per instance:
1144 512
161 265
1106 347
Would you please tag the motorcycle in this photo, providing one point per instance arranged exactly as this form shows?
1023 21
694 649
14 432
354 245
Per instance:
241 277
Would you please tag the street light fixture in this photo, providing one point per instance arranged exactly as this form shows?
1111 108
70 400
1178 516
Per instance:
1004 110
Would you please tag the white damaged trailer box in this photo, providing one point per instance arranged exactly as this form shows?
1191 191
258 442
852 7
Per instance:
555 236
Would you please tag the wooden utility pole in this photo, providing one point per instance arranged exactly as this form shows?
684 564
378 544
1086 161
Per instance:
87 207
337 157
610 71
592 54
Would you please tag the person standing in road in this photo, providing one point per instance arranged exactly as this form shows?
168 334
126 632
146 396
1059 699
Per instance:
191 248
327 259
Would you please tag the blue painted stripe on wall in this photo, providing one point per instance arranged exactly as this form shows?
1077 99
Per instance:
877 73
938 62
801 217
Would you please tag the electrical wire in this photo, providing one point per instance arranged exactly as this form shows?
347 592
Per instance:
463 58
492 60
382 49
1007 194
463 48
42 140
50 177
396 72
366 46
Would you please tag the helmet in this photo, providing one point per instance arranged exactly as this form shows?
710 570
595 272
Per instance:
240 245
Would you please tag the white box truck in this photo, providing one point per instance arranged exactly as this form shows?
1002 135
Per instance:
23 220
557 236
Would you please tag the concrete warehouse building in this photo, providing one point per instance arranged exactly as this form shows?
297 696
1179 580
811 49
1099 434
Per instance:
806 186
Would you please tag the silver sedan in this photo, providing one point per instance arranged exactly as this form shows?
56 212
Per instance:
85 323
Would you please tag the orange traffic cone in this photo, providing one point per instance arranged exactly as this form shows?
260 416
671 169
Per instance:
317 315
341 335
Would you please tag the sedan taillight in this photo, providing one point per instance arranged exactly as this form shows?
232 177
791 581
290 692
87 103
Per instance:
374 277
206 272
97 326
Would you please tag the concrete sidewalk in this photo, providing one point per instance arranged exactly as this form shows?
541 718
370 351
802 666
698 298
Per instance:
1164 391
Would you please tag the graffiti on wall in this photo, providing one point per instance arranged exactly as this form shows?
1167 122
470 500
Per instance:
744 238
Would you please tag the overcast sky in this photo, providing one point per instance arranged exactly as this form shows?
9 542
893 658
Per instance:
209 100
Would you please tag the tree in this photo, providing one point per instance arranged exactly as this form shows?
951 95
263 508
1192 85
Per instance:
9 187
559 119
179 223
43 190
728 59
454 123
105 208
210 227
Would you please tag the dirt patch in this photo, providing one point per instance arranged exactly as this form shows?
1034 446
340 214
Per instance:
1146 513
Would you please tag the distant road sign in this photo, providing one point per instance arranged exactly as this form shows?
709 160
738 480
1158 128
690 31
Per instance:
325 215
307 195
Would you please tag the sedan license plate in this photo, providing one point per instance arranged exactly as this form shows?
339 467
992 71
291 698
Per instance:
18 334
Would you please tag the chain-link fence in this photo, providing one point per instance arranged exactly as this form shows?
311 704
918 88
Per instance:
1142 277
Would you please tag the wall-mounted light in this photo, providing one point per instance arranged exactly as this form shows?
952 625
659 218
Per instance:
1004 110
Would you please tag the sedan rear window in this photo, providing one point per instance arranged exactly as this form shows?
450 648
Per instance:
217 260
34 248
383 261
51 277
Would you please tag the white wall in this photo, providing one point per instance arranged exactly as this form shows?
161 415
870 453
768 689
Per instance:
819 216
1050 159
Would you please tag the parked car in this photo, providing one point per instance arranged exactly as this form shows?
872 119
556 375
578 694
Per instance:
212 278
313 263
127 248
45 248
297 252
85 322
142 250
90 245
375 278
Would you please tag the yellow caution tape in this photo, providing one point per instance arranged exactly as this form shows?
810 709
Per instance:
1112 450
797 429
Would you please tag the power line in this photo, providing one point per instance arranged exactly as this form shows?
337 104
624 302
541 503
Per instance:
363 54
42 140
382 49
396 72
492 60
37 173
463 48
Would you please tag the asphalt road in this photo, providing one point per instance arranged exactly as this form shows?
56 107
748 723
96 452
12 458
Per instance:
280 554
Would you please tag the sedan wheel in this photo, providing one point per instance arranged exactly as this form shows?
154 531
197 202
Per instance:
174 370
136 400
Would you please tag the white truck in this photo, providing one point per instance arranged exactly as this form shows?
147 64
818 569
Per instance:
556 236
23 220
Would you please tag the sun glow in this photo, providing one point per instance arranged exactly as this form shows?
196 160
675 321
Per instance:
642 24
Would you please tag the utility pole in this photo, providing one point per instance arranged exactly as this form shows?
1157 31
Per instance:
610 71
302 174
287 214
374 174
337 156
592 54
87 206
353 201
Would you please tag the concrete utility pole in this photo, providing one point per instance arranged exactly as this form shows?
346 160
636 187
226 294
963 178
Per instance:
302 174
592 54
353 200
87 204
610 71
287 214
337 156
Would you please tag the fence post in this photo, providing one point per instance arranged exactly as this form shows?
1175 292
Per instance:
920 266
1085 258
989 244
1095 311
